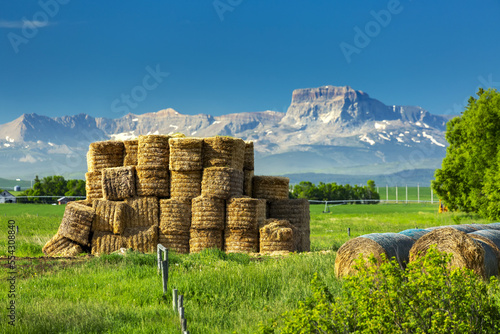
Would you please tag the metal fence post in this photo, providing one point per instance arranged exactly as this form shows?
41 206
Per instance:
174 300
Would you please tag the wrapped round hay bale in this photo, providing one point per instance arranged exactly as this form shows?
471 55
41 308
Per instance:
490 236
178 242
208 213
93 185
61 246
247 182
76 223
130 156
466 252
142 239
493 226
186 154
175 216
220 151
466 228
185 185
245 213
118 183
248 163
490 241
203 239
241 240
393 245
414 233
270 187
105 154
106 243
153 150
297 212
152 181
276 236
110 216
222 182
144 211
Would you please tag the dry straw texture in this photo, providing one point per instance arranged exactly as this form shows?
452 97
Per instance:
111 216
144 211
270 187
61 246
76 223
177 242
118 183
93 185
222 182
277 236
186 154
175 216
392 245
203 239
142 239
105 154
466 252
153 150
245 213
248 163
106 243
247 182
185 185
130 156
152 181
223 152
208 213
241 241
297 212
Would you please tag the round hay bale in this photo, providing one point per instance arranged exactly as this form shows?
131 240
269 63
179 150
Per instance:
153 150
105 154
466 252
297 212
241 241
61 246
414 233
203 239
185 185
186 154
106 243
493 226
490 236
490 241
152 181
220 151
222 182
270 187
144 211
93 185
76 223
175 216
208 213
277 235
142 239
118 183
392 245
248 163
130 156
176 242
247 182
245 213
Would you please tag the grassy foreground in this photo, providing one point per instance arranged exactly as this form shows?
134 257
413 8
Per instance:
223 293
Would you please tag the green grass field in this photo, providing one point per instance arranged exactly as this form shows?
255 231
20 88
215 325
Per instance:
223 293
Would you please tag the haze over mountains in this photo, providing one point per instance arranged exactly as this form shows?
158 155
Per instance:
326 130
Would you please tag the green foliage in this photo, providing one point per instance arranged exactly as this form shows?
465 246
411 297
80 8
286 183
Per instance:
468 179
427 297
55 186
333 191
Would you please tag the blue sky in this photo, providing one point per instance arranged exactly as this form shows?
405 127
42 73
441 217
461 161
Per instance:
107 58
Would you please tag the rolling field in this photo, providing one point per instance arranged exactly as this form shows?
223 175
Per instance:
223 293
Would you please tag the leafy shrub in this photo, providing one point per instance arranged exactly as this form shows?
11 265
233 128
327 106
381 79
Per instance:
427 297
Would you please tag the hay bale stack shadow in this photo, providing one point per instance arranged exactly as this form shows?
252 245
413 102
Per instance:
222 182
276 237
207 223
144 211
296 211
186 154
106 243
244 217
152 181
204 239
175 223
76 223
142 239
130 152
220 151
248 163
110 216
270 187
185 185
61 246
247 182
93 185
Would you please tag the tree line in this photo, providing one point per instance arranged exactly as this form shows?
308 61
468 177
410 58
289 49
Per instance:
55 186
336 192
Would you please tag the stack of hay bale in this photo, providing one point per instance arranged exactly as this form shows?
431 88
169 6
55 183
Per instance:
187 194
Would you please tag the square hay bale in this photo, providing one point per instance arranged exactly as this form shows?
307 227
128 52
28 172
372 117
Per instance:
153 150
175 216
185 185
222 182
297 212
245 213
186 154
270 187
203 239
241 241
142 239
93 185
118 183
247 182
144 211
106 243
111 216
61 246
152 181
178 242
248 163
220 151
76 223
105 154
277 236
130 156
208 213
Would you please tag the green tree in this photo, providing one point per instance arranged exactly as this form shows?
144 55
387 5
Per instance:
467 179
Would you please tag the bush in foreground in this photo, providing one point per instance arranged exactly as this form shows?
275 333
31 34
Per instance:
427 297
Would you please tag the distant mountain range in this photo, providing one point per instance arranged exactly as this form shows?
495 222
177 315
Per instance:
327 130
